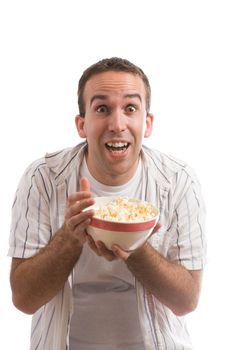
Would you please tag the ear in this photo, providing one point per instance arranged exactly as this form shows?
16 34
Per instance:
149 125
80 126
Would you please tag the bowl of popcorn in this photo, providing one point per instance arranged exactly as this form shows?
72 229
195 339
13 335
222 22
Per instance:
127 222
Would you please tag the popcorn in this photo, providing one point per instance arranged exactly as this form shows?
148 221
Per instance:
123 209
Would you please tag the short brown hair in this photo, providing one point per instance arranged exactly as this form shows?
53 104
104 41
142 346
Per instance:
111 64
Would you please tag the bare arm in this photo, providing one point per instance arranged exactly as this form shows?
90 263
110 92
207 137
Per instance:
175 286
172 284
36 280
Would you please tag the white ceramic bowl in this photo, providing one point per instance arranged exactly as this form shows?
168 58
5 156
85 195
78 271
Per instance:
128 235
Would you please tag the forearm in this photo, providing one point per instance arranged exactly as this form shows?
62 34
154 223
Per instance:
170 283
37 280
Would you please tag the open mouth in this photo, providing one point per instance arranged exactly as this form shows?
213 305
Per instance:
117 146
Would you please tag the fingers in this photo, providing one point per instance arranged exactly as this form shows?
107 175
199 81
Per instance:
77 196
81 219
78 207
84 192
106 253
84 184
77 216
92 244
156 228
120 253
100 249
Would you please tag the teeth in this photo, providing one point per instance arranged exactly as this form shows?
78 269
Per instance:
117 144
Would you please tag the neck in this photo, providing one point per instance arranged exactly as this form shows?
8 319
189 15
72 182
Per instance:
112 178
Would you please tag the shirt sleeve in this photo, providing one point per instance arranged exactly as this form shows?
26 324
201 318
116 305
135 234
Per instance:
30 223
187 243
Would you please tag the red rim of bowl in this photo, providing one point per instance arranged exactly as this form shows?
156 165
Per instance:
123 226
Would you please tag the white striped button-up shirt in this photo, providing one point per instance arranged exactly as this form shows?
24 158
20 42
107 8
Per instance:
38 212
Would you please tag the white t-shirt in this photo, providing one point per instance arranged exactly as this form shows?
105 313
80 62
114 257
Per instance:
105 306
38 212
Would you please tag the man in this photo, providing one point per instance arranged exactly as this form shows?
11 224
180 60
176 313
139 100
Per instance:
82 295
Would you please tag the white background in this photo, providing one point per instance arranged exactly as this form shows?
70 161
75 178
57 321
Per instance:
186 49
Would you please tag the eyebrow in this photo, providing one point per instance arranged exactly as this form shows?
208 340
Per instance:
105 97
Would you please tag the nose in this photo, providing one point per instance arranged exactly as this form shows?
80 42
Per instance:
117 121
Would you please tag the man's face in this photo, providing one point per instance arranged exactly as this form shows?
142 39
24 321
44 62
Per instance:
114 125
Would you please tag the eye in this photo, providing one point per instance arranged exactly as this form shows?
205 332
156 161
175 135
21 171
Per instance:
131 108
101 109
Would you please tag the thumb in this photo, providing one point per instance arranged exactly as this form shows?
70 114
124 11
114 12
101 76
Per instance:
84 184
